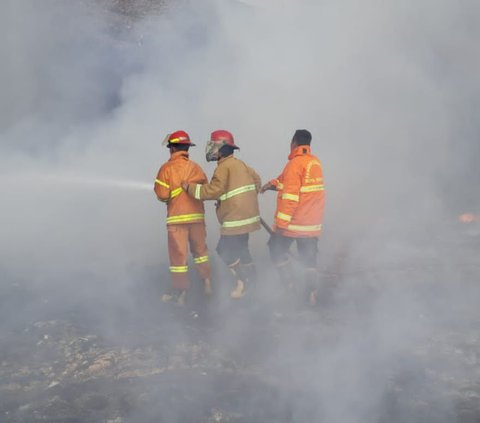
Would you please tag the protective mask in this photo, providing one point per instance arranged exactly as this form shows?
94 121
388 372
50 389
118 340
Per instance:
212 151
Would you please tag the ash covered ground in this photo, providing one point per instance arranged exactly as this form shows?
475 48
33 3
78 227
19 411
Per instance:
261 359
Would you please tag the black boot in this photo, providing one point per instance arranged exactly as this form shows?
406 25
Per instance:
285 273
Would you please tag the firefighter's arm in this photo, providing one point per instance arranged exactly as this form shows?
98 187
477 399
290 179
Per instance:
290 196
197 176
162 187
271 185
256 179
214 189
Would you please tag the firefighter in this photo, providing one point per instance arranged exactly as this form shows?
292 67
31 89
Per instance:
234 186
299 213
185 217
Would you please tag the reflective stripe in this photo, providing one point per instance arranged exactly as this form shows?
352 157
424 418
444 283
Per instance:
292 197
176 192
244 222
178 269
312 188
185 218
237 191
175 140
280 186
198 260
163 184
197 191
284 216
304 228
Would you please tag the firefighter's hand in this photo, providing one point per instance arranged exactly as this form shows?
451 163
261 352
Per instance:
185 186
267 187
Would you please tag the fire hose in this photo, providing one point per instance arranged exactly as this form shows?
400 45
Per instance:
266 226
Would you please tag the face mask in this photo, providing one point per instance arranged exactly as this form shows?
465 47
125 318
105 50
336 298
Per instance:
212 151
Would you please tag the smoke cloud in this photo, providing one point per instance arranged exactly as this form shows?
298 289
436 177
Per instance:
390 92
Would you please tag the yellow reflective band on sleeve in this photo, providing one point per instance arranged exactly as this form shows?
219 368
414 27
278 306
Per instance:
176 192
304 228
284 216
292 197
238 223
199 260
312 188
237 191
179 269
163 184
184 218
197 191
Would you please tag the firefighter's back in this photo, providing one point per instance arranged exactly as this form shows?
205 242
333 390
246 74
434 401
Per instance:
238 209
181 207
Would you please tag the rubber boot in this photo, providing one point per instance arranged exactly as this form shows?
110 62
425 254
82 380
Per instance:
248 272
285 272
207 287
176 296
240 288
311 286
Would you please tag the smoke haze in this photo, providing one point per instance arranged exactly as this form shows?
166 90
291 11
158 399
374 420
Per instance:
391 94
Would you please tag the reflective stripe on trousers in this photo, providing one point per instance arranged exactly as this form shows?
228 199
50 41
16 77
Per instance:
178 269
198 260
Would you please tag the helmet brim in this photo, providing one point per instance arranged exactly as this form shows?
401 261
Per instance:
173 144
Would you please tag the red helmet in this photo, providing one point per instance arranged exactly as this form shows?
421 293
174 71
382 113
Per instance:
177 137
224 137
218 139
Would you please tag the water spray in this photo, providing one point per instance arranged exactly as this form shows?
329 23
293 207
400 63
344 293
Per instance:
92 181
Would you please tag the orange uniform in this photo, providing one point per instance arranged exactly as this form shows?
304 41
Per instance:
300 200
185 217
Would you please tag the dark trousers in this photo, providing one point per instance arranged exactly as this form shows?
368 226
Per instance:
234 248
307 249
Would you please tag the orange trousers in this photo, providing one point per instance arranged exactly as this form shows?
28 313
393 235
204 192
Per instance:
180 236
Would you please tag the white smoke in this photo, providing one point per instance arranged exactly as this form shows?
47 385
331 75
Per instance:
388 89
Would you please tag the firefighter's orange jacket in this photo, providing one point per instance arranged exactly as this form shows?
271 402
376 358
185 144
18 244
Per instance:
300 199
181 208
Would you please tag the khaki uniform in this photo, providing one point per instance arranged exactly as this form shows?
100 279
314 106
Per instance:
235 187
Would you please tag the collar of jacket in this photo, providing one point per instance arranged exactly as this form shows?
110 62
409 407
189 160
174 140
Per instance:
301 150
224 158
179 155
